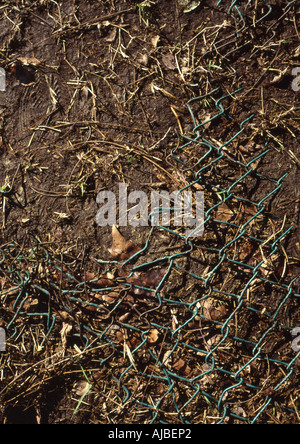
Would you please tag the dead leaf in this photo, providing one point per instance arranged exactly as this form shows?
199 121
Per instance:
213 342
169 62
279 77
31 304
248 148
246 212
153 336
111 36
179 364
81 387
2 283
133 342
105 281
124 317
143 59
121 249
185 70
30 61
246 250
119 336
198 187
167 358
155 40
189 5
148 279
208 378
237 410
111 297
64 315
66 329
212 310
181 367
224 214
207 120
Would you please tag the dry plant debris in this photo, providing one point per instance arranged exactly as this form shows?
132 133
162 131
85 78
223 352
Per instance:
100 328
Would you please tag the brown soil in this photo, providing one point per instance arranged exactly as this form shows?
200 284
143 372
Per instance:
97 94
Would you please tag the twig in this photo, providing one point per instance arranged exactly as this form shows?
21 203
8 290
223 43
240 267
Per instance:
95 21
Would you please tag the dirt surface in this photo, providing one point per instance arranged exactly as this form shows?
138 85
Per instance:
100 93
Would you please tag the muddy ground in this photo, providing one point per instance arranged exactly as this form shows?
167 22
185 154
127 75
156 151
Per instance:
100 93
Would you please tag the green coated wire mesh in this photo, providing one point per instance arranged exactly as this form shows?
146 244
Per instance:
200 332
